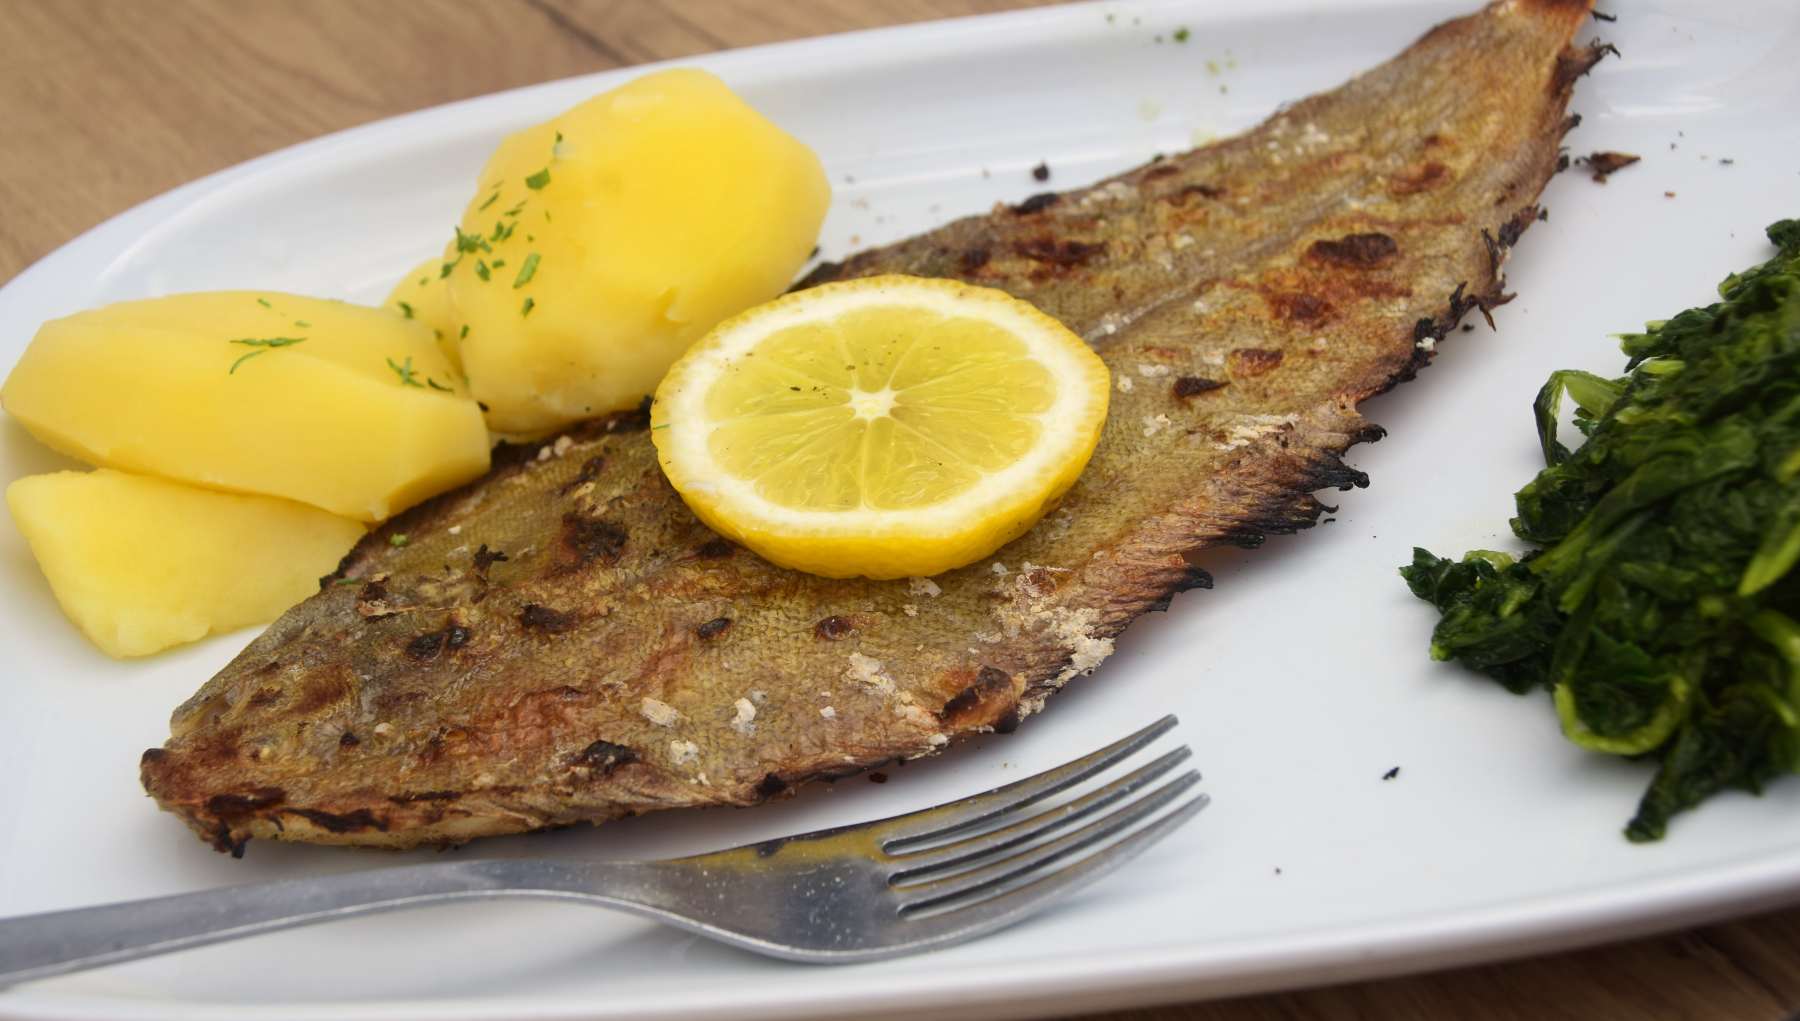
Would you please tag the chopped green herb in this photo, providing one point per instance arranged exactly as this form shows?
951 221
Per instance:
538 180
303 324
1658 604
514 211
481 269
435 385
465 332
491 199
264 302
407 376
471 242
498 264
526 271
424 280
525 309
398 539
665 425
448 266
405 309
263 345
1181 34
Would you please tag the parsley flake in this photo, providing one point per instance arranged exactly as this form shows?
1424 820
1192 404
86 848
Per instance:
407 376
525 309
481 269
264 302
465 332
405 309
538 180
526 271
491 199
1181 34
399 539
303 324
435 385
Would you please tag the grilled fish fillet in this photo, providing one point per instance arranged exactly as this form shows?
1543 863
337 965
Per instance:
563 642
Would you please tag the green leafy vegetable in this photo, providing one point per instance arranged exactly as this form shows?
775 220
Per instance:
538 180
1659 603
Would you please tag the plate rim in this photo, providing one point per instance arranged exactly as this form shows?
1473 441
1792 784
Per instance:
1207 969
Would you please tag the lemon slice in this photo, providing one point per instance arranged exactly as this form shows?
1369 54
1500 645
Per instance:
886 427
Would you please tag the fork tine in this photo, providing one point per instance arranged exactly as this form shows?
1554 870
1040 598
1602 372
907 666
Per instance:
941 857
977 918
1004 871
944 820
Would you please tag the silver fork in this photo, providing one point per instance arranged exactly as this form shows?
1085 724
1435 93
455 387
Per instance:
854 893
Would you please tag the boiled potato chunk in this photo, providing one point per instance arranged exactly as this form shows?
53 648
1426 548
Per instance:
601 243
351 409
140 564
424 295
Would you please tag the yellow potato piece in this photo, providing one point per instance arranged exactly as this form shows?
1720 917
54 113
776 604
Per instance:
351 409
424 295
140 564
601 243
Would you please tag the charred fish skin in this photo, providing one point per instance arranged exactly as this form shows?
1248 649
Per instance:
563 642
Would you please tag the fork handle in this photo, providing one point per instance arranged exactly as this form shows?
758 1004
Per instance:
38 946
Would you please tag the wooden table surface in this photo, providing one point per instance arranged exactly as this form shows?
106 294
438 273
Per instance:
110 102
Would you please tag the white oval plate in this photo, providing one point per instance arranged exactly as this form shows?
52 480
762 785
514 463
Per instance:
1301 680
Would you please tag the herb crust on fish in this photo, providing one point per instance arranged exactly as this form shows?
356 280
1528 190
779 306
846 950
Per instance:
563 642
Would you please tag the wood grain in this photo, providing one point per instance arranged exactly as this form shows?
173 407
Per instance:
114 101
